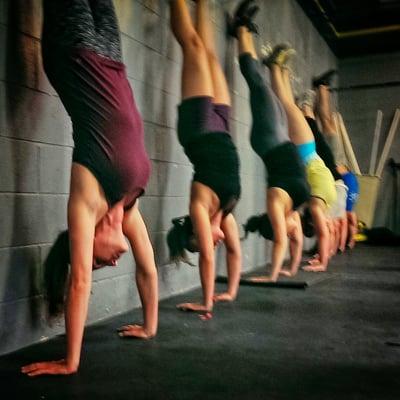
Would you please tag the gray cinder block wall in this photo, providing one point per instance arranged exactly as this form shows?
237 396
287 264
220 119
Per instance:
359 109
36 146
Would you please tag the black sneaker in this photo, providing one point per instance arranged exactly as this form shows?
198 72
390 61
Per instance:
324 79
243 16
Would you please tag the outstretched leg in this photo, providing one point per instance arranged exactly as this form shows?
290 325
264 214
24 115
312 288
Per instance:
204 29
196 75
270 127
68 23
324 110
325 115
299 130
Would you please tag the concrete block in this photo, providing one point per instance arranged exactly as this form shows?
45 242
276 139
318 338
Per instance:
241 110
35 116
19 220
31 219
241 135
140 23
162 144
112 296
134 54
176 279
159 107
22 59
152 5
168 179
54 169
20 273
171 48
53 216
3 59
25 322
168 208
20 161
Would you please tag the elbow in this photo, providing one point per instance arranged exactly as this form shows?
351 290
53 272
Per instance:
207 257
80 283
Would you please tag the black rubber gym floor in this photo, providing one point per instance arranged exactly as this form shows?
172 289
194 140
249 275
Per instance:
337 339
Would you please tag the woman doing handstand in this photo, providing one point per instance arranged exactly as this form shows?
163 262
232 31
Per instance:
110 169
203 131
287 186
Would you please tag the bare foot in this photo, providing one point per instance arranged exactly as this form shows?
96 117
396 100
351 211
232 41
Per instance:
265 279
223 297
285 272
134 331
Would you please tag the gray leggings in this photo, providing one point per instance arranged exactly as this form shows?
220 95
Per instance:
270 126
89 24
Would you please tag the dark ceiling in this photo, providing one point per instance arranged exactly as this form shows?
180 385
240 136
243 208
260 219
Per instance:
356 27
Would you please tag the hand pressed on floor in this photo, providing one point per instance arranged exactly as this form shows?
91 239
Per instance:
59 367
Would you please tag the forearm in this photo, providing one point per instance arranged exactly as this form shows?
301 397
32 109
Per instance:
207 277
75 318
278 257
323 249
234 263
296 249
147 283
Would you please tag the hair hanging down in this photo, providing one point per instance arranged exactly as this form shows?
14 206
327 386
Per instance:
261 224
55 274
307 224
179 239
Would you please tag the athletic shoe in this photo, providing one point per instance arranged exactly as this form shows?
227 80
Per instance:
243 16
324 79
281 54
307 99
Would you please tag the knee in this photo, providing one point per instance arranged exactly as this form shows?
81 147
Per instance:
194 45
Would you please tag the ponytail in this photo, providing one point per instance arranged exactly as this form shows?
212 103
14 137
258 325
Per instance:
261 224
55 274
179 240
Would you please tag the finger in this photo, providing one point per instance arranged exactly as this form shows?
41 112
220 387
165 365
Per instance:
38 372
134 333
206 316
183 307
127 327
28 368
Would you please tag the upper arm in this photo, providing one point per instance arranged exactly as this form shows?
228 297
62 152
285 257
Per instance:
231 232
86 205
202 229
297 234
276 215
81 225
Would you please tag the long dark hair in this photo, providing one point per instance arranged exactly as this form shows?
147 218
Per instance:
56 268
180 238
261 224
307 224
